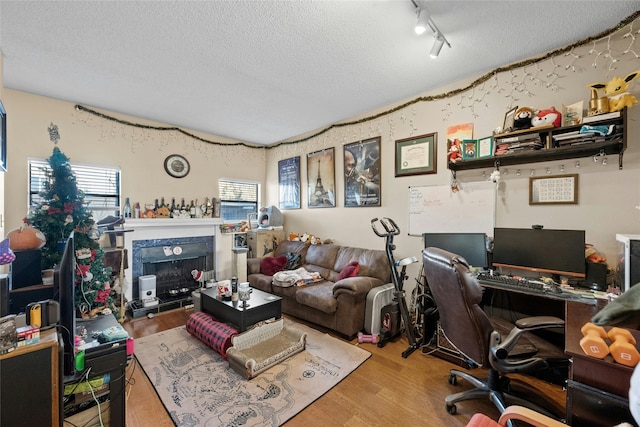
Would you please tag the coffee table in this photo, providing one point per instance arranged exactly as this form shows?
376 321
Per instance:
261 306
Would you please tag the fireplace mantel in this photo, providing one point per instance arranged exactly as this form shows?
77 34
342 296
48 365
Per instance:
164 228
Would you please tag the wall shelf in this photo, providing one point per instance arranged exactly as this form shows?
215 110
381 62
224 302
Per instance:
610 146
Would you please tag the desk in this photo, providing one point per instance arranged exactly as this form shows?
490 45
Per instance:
597 390
107 358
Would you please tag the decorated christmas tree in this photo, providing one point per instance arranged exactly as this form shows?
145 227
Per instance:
61 212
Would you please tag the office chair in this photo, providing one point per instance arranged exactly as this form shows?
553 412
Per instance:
477 337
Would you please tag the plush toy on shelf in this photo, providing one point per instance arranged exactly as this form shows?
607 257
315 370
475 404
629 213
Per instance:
550 116
522 118
616 90
455 152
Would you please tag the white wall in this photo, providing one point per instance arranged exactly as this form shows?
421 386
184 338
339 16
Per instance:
607 196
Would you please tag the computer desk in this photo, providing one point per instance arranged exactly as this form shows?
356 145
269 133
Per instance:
597 389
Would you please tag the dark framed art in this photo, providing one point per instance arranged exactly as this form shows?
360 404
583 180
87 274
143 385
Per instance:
362 173
416 155
3 139
321 179
289 183
553 190
509 119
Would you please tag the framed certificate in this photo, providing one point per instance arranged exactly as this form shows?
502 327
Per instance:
553 190
417 155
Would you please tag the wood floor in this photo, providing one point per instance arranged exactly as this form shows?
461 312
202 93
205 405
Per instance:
385 390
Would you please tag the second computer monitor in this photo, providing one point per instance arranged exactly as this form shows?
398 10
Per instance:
470 246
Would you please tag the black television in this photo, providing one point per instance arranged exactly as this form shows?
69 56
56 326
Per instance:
64 288
557 252
470 246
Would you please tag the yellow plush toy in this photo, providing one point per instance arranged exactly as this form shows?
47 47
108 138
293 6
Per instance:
615 90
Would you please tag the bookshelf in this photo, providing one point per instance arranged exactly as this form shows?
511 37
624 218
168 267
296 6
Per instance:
557 144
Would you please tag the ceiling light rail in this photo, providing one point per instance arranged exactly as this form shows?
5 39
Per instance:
424 21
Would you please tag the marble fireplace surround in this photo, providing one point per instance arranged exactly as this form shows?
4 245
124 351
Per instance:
165 231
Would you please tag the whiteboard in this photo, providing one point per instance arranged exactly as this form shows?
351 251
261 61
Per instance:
436 209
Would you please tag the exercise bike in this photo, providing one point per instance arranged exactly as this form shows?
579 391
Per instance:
414 328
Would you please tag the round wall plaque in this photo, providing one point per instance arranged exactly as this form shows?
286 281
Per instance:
177 166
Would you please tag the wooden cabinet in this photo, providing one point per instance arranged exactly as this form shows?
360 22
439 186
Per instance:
31 384
554 140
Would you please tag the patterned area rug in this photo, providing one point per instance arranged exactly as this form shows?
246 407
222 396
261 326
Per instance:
198 387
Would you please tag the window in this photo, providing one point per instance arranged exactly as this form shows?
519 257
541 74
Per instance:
100 184
238 199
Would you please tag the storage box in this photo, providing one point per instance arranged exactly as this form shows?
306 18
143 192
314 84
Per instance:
377 298
26 269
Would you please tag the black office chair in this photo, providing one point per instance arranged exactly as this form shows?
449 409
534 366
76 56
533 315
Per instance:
477 337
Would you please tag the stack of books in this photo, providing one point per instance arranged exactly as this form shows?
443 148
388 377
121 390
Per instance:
518 143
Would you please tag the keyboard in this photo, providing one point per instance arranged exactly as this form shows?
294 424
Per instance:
530 286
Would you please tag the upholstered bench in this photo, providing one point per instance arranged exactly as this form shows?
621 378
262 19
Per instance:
210 331
264 346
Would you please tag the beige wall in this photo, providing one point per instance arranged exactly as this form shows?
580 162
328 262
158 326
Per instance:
607 196
139 153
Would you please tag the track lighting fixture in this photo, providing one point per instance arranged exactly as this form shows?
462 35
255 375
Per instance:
437 46
424 22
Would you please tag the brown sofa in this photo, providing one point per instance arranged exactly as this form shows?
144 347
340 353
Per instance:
337 305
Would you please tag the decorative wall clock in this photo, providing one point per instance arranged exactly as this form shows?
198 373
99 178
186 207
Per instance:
177 166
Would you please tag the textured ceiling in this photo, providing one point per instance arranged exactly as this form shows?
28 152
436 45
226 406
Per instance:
264 71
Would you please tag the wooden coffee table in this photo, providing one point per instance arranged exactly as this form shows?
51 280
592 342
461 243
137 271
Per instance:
261 306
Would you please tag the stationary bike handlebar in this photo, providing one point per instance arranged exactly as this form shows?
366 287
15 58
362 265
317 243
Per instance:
389 225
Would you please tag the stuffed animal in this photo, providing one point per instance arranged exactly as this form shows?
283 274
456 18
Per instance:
294 237
244 226
455 152
615 90
522 118
549 116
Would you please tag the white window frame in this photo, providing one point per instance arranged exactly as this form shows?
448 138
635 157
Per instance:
241 182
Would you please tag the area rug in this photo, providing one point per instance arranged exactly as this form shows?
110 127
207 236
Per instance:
198 387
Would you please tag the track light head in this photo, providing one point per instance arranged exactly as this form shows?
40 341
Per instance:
437 46
423 21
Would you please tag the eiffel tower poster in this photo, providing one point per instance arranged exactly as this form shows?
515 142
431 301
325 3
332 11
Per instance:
321 179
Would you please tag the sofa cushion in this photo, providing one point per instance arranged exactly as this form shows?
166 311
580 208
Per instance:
321 259
318 296
373 263
350 270
271 265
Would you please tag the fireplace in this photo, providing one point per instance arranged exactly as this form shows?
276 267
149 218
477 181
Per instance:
169 250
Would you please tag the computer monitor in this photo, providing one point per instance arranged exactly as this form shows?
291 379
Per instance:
559 252
470 246
64 291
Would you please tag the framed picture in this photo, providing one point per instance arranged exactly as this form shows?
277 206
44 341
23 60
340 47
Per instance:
362 173
469 149
553 190
417 155
289 183
321 179
3 139
484 147
508 120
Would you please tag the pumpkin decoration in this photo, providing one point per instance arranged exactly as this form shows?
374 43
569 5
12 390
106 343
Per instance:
26 238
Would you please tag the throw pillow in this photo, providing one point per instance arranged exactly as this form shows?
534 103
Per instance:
271 265
294 261
349 270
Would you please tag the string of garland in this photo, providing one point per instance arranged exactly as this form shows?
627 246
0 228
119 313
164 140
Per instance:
429 98
162 128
